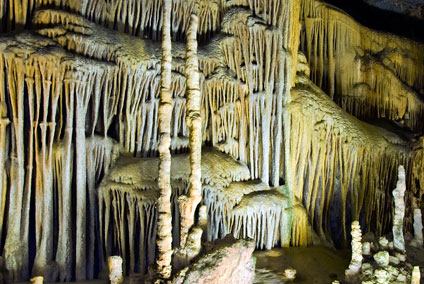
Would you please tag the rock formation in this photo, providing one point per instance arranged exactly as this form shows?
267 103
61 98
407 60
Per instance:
356 262
416 275
273 120
229 262
115 270
164 228
399 210
418 229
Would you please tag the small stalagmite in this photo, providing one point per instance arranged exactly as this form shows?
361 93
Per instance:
356 262
37 280
290 274
399 210
416 275
115 270
418 228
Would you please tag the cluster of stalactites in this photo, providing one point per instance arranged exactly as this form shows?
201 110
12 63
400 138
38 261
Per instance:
369 74
140 18
57 91
231 108
255 55
336 159
128 194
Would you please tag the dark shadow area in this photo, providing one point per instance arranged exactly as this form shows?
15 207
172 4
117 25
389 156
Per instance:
382 20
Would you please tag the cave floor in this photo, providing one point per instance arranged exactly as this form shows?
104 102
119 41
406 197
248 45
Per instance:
314 265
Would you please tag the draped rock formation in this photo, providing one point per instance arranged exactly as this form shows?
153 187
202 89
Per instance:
300 120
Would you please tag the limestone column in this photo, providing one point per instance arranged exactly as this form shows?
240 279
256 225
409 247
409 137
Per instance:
164 225
188 204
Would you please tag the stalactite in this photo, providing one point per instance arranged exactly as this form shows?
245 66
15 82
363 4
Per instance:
244 107
51 85
101 154
333 152
370 74
164 231
136 100
81 104
16 244
331 163
141 18
260 44
263 216
49 82
225 100
132 184
4 122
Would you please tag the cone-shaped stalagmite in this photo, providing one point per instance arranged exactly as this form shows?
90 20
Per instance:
164 227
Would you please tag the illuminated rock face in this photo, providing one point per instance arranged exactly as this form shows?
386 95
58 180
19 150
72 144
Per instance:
278 91
230 262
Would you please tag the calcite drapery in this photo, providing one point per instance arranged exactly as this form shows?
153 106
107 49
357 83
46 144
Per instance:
329 161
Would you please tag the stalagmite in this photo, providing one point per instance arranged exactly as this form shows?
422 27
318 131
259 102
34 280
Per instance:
115 269
164 229
382 258
416 275
418 229
356 261
37 280
366 248
399 210
290 274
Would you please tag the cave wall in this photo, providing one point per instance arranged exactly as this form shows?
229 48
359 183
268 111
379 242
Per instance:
79 86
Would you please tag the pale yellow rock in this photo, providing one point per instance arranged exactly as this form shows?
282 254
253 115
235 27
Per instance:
164 231
37 280
416 275
356 261
399 210
115 269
